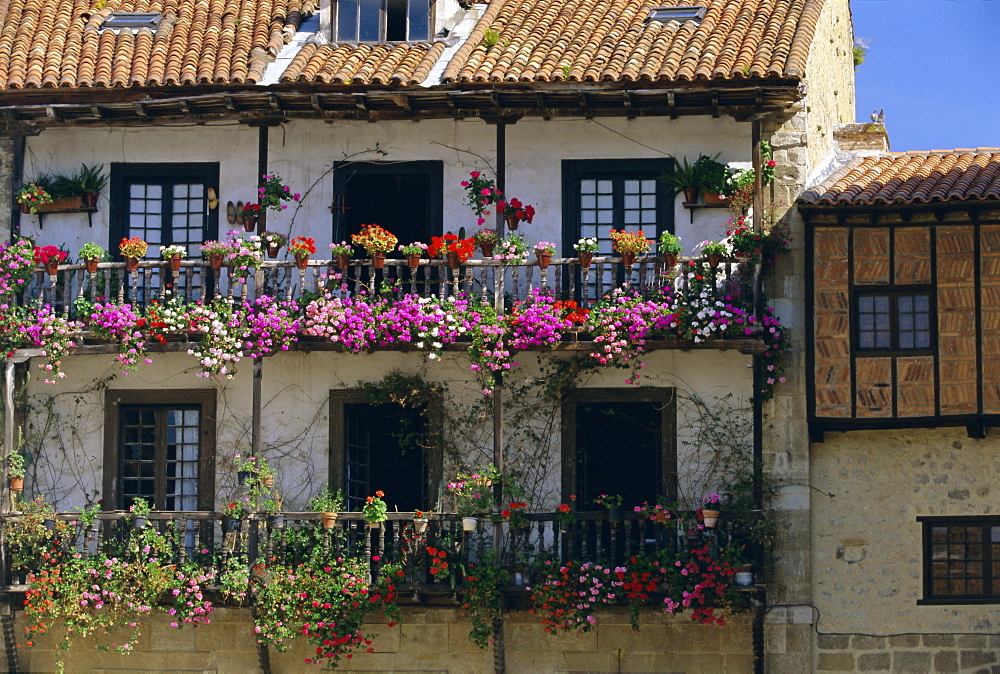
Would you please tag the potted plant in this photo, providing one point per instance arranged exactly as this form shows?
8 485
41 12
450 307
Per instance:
375 509
250 214
712 175
91 254
486 239
670 248
15 471
481 192
710 510
413 253
629 244
685 178
140 512
273 241
215 252
376 241
328 503
614 505
32 195
714 251
272 192
301 247
512 250
132 249
92 180
514 212
544 250
421 519
342 252
456 249
472 493
49 257
586 247
233 514
174 254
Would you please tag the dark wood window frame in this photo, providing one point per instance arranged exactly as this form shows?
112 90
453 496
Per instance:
894 293
666 397
990 582
205 398
338 452
383 24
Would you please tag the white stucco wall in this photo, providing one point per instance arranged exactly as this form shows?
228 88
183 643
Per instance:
303 153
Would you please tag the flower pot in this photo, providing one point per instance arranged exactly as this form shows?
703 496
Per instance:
469 524
586 258
714 199
131 263
329 520
17 484
49 524
487 249
231 524
90 199
52 268
26 208
268 482
91 264
615 514
175 263
420 524
710 518
743 578
373 525
249 223
215 261
714 260
138 522
690 195
273 249
413 261
243 476
544 259
378 260
453 261
343 261
301 261
512 221
670 260
628 259
276 521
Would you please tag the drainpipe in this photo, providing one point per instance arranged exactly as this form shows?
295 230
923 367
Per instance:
758 381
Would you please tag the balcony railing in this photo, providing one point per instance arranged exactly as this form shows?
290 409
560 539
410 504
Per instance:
591 537
281 279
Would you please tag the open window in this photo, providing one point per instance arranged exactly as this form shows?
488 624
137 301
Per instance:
381 20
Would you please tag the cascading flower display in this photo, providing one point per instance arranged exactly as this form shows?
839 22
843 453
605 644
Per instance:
17 261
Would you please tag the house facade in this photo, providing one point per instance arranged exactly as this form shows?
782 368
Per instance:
376 113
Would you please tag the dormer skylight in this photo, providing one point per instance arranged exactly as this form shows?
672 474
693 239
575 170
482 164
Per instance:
679 13
132 20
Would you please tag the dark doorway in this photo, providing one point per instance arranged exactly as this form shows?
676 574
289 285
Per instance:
619 443
403 197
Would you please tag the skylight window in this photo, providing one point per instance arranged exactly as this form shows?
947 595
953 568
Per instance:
680 13
133 20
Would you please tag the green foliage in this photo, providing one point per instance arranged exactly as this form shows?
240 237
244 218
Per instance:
859 54
483 599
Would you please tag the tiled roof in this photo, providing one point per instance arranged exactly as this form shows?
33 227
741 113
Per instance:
610 40
58 43
912 177
364 64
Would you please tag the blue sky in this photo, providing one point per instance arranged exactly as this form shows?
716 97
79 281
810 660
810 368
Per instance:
934 66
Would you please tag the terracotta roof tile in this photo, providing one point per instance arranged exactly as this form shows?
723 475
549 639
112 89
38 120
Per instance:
912 177
58 43
364 64
610 40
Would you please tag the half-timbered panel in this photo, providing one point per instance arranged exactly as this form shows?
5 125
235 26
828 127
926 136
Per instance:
874 386
912 253
915 386
871 256
956 299
989 280
833 324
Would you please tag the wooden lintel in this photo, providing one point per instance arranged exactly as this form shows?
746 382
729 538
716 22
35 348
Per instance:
402 101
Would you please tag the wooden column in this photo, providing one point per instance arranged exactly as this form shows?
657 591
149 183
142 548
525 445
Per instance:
757 638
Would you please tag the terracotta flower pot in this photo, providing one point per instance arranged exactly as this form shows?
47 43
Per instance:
329 520
26 208
272 250
51 268
670 260
453 261
343 261
714 199
301 261
268 482
249 223
690 195
131 263
215 261
420 524
378 260
714 260
628 259
543 259
512 221
710 518
90 199
413 261
373 525
91 264
487 249
17 484
586 258
175 263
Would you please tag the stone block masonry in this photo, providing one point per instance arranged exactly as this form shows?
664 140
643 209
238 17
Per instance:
908 653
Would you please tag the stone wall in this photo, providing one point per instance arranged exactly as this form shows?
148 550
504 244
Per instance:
430 639
867 559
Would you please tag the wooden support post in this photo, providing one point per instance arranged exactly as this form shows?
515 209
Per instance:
8 433
758 382
501 174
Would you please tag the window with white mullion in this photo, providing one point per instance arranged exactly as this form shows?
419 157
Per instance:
382 20
159 456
